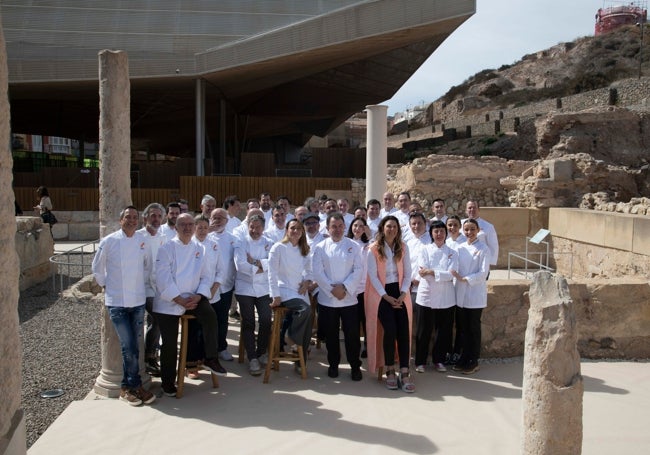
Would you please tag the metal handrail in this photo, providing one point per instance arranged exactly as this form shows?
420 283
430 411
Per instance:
62 261
528 261
540 265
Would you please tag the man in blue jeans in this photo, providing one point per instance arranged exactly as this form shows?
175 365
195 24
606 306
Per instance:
121 266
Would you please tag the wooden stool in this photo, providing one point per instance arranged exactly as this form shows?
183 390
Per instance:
182 358
275 353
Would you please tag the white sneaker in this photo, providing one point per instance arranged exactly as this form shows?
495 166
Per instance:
419 369
264 359
254 367
440 367
225 355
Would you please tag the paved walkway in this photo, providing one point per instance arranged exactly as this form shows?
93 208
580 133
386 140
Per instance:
449 414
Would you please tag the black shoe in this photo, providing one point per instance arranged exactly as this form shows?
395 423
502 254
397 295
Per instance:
364 354
333 372
356 374
235 315
169 390
470 367
453 359
151 366
215 367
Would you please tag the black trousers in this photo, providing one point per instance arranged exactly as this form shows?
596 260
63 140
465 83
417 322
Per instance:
470 319
329 321
432 321
168 324
395 322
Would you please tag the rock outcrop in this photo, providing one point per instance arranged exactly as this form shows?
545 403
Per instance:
563 182
617 136
602 201
601 151
457 179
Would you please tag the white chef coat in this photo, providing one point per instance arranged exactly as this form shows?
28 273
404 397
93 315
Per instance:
121 265
473 264
337 263
227 243
153 243
248 282
213 257
287 269
180 270
437 291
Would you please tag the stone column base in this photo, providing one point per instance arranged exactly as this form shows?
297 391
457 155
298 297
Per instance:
15 441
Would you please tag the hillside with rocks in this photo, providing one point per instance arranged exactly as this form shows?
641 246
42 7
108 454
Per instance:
596 156
565 69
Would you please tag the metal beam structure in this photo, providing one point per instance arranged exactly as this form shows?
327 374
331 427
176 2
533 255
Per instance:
286 70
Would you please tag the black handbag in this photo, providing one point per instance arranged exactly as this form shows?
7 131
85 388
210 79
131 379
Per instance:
49 218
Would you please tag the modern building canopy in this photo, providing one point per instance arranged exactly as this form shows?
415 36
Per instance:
273 73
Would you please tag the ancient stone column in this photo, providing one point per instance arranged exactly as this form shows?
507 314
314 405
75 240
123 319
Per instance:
376 152
114 139
12 422
552 386
114 194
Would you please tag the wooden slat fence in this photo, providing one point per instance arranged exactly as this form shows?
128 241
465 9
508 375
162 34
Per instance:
191 188
296 188
87 199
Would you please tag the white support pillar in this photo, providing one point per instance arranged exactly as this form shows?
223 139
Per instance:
200 127
376 151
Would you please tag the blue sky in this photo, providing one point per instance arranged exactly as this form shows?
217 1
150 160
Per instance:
500 32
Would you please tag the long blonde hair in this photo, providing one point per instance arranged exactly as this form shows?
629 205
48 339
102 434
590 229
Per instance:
302 241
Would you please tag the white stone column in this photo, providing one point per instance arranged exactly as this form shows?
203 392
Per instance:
114 194
376 151
12 420
552 386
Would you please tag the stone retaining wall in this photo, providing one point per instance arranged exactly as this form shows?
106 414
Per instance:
628 92
601 201
34 246
613 318
80 225
600 244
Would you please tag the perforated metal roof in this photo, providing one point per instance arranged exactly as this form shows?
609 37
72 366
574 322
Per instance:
285 68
